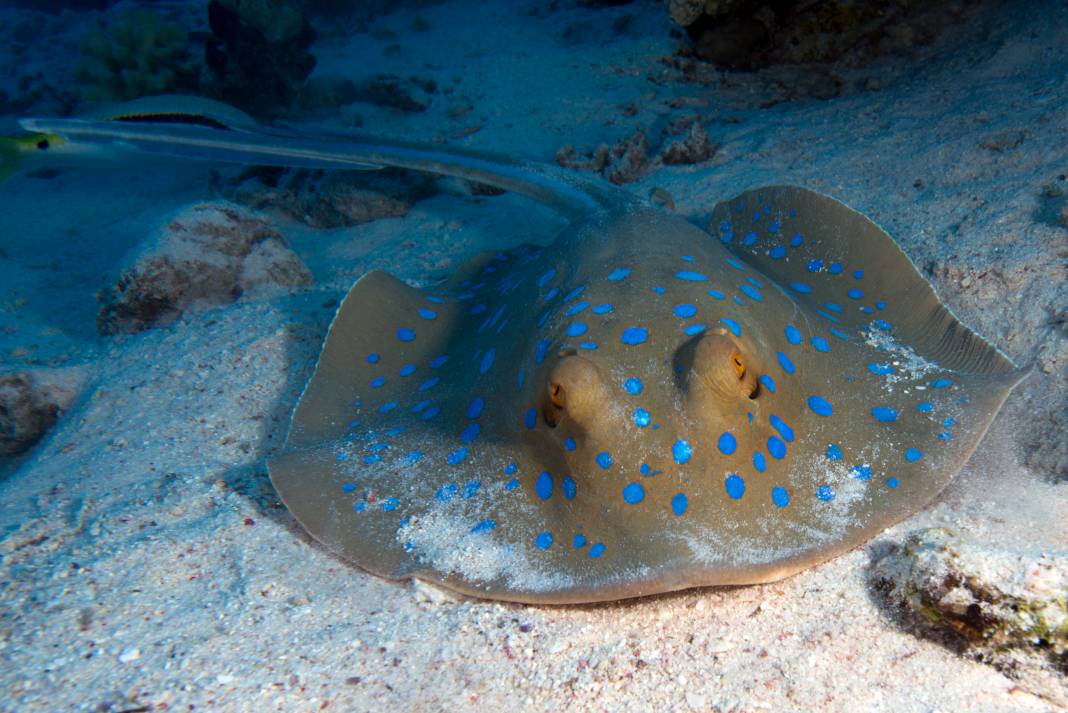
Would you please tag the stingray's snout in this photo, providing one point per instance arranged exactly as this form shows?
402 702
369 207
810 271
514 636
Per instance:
574 390
722 369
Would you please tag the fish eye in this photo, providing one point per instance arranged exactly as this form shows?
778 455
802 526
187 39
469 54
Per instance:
43 144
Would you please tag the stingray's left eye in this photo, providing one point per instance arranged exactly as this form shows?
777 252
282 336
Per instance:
739 365
556 395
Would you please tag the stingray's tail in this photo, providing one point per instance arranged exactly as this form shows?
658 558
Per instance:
194 136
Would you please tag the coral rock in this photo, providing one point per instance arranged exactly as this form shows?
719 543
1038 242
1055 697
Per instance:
1011 608
209 254
30 403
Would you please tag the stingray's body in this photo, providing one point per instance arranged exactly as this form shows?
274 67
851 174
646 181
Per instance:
640 407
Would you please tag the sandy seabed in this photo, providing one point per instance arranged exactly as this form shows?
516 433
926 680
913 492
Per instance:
147 564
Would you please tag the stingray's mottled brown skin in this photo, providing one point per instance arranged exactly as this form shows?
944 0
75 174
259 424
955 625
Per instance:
524 468
695 388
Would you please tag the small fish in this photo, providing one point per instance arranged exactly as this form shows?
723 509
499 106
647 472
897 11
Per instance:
641 407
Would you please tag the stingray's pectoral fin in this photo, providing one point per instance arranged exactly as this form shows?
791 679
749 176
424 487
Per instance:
852 274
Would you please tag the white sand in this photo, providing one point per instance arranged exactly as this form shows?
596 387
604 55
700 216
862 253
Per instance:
145 563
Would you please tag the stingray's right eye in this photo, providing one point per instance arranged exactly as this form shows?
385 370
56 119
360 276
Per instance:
739 365
556 395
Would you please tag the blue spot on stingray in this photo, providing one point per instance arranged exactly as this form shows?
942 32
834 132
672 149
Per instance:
348 487
439 361
633 493
800 288
751 292
780 496
543 541
925 407
578 542
797 239
477 309
633 386
568 487
857 274
405 335
633 336
457 457
530 418
358 507
569 443
510 469
777 253
390 504
470 433
574 293
682 451
684 311
576 308
785 363
644 469
604 459
679 503
407 370
825 493
749 238
487 360
941 383
835 268
429 383
840 334
484 527
782 427
474 409
641 417
759 461
690 276
602 308
511 484
427 313
430 413
588 345
446 492
833 306
767 382
620 273
880 305
735 264
373 358
820 406
387 407
884 414
913 454
694 329
854 293
792 335
717 294
814 265
819 344
470 489
881 369
883 324
949 423
827 315
892 483
540 350
544 318
776 447
596 550
576 329
727 443
735 328
775 226
547 277
543 487
735 486
866 309
861 472
377 382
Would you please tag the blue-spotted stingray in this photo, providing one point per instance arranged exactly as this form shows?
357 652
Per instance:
641 407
